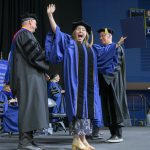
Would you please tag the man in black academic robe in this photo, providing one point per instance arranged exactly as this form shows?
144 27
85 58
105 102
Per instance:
113 89
27 67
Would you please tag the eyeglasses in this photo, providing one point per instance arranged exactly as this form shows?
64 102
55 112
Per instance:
102 35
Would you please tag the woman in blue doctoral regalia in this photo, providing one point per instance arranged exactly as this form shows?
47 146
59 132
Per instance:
80 74
55 92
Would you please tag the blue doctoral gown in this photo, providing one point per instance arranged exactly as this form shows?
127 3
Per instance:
62 47
54 91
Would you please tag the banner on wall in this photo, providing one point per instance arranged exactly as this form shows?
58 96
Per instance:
133 29
3 68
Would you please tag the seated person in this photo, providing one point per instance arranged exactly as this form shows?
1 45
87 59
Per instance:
7 91
9 107
55 92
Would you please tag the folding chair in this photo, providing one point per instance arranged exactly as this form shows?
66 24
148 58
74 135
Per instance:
3 108
59 116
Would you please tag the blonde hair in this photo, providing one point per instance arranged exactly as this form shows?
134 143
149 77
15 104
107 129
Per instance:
86 40
6 88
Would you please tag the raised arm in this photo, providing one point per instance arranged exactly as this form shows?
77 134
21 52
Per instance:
50 10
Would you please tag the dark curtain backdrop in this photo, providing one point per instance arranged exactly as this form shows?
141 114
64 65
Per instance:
67 11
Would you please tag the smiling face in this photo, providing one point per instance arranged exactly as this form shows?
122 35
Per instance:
105 38
80 33
57 78
33 25
30 25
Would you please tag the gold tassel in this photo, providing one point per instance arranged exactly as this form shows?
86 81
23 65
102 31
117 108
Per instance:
106 31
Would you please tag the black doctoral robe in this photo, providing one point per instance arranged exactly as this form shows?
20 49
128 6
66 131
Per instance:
113 93
27 80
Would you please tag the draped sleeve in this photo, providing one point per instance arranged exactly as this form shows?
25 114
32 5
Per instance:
54 90
31 50
55 45
106 57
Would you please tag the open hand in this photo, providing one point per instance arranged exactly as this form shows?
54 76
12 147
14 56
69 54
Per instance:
121 41
51 9
62 91
47 77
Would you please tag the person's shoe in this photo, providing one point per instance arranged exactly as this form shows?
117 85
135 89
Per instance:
28 147
37 145
88 136
114 139
77 144
97 134
90 147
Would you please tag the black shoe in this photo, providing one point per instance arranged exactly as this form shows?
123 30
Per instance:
37 145
97 134
88 136
114 139
28 147
97 137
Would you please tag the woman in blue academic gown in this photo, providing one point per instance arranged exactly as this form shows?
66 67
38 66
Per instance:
55 92
80 74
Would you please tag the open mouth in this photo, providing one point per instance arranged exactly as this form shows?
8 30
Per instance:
80 36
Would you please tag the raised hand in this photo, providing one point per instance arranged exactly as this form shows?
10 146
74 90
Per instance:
51 9
121 41
47 77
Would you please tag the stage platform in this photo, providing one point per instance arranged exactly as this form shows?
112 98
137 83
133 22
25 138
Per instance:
135 138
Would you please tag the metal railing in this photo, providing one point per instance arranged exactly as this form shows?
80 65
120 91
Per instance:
137 109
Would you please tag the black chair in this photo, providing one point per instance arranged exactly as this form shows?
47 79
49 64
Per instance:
60 117
3 109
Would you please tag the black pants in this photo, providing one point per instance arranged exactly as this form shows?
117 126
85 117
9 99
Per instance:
116 130
26 138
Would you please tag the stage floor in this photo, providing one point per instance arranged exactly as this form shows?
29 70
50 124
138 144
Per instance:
135 138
